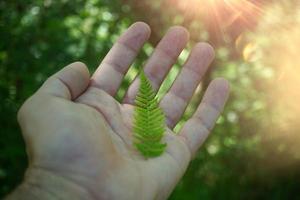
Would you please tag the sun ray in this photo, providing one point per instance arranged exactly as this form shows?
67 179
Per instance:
221 16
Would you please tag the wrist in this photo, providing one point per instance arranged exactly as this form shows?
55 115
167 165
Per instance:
43 184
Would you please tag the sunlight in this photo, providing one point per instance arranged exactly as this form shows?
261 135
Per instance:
221 14
275 45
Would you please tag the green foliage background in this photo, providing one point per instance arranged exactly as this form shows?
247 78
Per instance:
240 159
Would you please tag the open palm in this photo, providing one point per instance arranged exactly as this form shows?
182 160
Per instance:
78 134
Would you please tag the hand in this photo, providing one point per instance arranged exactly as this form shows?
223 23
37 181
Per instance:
79 137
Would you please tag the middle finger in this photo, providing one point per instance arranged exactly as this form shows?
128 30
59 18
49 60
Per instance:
162 59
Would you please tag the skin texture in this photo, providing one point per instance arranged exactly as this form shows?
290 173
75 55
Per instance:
79 138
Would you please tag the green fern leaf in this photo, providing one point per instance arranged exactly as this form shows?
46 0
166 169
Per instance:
149 121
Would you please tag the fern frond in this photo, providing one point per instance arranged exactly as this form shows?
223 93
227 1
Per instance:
149 121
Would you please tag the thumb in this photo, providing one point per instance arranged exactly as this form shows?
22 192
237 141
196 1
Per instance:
69 82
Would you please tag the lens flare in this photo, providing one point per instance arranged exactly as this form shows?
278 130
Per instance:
220 15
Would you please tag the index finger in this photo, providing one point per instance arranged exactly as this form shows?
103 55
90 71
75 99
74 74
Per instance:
114 66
